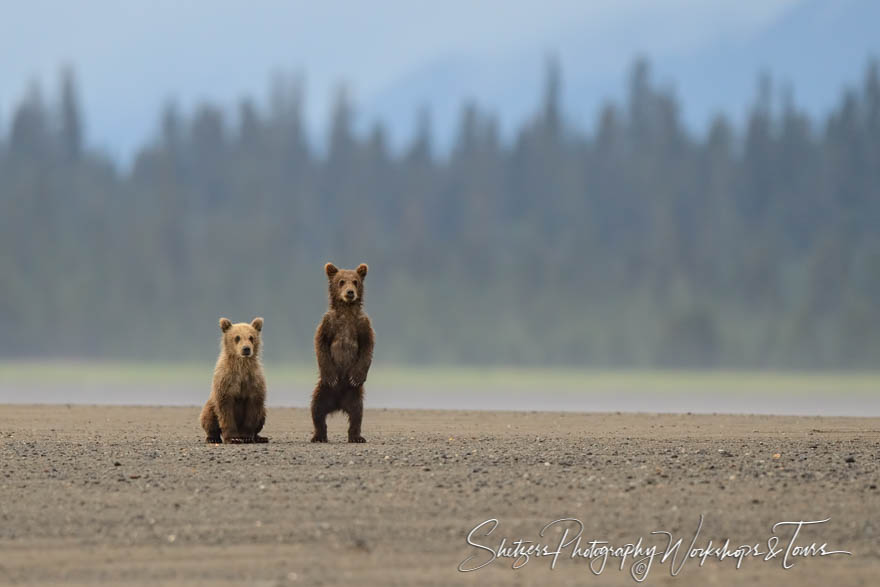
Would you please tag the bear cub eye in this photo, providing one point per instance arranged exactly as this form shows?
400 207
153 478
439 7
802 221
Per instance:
341 282
355 283
237 338
251 339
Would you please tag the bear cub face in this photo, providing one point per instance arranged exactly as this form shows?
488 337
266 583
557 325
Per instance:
242 339
346 285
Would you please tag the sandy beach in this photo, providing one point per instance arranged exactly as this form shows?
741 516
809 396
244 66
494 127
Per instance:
131 495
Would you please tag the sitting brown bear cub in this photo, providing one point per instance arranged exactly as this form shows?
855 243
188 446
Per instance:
344 346
236 410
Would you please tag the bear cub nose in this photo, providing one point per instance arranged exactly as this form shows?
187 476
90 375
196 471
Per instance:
349 294
246 351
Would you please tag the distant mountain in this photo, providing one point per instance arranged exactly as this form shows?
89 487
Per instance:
816 48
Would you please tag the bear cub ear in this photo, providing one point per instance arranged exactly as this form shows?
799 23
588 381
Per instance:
330 269
362 270
257 324
225 324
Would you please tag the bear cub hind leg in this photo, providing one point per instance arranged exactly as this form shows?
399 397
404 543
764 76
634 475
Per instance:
353 405
322 404
210 424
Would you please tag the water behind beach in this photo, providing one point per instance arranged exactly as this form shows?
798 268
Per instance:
825 394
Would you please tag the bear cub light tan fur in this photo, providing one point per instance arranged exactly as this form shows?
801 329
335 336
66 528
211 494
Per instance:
236 410
344 348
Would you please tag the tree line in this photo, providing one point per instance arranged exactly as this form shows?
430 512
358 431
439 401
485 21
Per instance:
636 244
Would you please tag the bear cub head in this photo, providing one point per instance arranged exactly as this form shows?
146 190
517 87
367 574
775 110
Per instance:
242 339
346 285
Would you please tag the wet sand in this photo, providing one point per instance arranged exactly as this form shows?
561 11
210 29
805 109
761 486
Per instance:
131 495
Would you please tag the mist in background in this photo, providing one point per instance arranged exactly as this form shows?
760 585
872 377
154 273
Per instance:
615 185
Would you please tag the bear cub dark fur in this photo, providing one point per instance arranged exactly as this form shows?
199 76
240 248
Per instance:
344 347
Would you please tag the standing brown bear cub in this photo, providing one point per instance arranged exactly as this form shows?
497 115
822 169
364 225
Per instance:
236 410
344 346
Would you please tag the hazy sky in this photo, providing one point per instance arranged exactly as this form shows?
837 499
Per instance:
131 56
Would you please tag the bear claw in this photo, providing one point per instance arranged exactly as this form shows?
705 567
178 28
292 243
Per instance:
238 440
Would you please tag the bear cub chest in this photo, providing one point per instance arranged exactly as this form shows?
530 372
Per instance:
344 346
